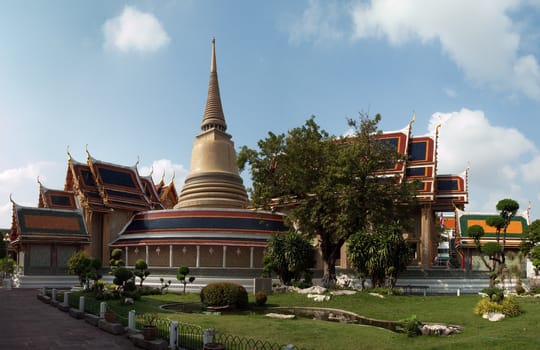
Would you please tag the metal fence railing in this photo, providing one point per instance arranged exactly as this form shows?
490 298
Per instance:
190 337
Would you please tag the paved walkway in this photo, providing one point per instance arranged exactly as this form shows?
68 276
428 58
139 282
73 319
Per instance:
27 323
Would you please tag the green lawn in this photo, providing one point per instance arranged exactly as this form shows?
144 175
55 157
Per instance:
512 333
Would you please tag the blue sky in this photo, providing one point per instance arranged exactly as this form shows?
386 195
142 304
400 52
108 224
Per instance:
129 79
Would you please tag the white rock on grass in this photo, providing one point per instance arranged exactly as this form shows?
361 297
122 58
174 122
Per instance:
493 316
319 297
438 329
313 290
281 316
377 295
343 292
344 281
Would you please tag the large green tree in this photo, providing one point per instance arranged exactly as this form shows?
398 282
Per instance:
531 237
530 244
329 186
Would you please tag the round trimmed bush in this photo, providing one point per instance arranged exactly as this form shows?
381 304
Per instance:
223 294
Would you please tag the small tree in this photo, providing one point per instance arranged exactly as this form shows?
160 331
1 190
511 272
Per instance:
141 271
94 274
290 256
123 278
382 255
81 265
182 276
476 232
116 259
535 257
7 265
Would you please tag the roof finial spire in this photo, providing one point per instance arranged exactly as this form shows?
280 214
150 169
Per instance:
213 117
213 67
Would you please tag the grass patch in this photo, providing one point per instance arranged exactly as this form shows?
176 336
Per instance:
516 332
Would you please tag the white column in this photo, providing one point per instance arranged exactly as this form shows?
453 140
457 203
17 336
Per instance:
224 264
147 254
66 299
81 304
131 320
173 334
198 260
102 309
170 255
53 294
251 250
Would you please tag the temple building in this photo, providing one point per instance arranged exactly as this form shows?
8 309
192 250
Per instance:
438 193
107 206
209 225
465 249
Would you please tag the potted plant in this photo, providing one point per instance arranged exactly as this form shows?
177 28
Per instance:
149 330
109 315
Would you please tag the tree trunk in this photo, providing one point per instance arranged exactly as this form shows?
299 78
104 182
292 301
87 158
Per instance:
330 251
329 277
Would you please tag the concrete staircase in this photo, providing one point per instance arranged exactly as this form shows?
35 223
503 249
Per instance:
37 281
438 281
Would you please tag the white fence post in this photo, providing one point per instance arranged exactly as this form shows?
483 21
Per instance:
173 334
131 320
208 336
81 304
102 309
66 299
53 294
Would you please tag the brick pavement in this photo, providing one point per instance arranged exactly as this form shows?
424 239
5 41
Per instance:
27 323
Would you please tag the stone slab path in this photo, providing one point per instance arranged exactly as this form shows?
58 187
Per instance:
27 323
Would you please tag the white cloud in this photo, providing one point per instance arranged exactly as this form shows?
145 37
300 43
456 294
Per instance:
495 155
319 23
5 215
479 36
16 177
450 92
531 170
22 183
167 169
135 31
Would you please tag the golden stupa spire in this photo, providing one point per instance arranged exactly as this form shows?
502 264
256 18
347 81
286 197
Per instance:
213 117
213 180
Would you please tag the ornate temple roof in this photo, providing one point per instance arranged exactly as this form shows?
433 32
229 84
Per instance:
56 199
443 192
103 186
48 225
452 191
167 193
201 226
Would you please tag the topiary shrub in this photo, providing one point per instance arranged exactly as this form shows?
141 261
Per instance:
510 307
495 294
224 294
260 298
